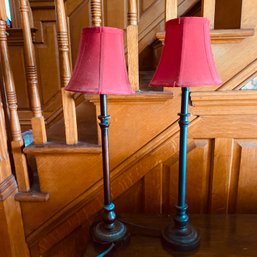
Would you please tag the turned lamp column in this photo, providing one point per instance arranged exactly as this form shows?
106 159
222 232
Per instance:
181 218
101 69
186 60
109 216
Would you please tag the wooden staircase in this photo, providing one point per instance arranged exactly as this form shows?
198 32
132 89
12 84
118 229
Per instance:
143 132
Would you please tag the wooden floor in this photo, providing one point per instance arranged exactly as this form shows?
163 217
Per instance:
221 236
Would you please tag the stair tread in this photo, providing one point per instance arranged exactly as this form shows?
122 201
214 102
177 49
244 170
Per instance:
221 235
54 147
222 35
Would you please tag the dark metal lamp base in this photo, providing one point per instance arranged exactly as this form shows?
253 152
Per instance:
186 239
103 237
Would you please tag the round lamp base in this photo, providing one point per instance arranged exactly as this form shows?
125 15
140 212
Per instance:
103 237
176 239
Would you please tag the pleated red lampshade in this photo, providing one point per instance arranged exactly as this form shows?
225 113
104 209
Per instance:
186 58
100 67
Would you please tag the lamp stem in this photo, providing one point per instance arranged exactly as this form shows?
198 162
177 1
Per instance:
109 215
182 236
104 124
110 230
181 218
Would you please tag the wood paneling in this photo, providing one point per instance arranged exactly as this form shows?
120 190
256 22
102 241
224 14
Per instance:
145 4
78 17
247 180
221 173
225 21
72 246
119 8
134 199
153 190
198 175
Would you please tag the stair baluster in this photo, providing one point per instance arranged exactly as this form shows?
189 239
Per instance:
96 13
208 11
171 10
69 107
37 122
17 141
13 241
132 45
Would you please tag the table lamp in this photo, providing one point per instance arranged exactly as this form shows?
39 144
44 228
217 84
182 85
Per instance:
186 61
100 69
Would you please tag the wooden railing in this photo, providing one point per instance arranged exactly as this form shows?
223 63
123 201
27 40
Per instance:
17 141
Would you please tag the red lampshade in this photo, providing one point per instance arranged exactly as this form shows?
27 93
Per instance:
100 66
186 58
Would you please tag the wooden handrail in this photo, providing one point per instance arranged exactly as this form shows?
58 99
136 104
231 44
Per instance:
37 122
69 107
17 141
132 45
208 11
171 10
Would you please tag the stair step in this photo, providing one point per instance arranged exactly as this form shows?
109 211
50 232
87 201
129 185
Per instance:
52 147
